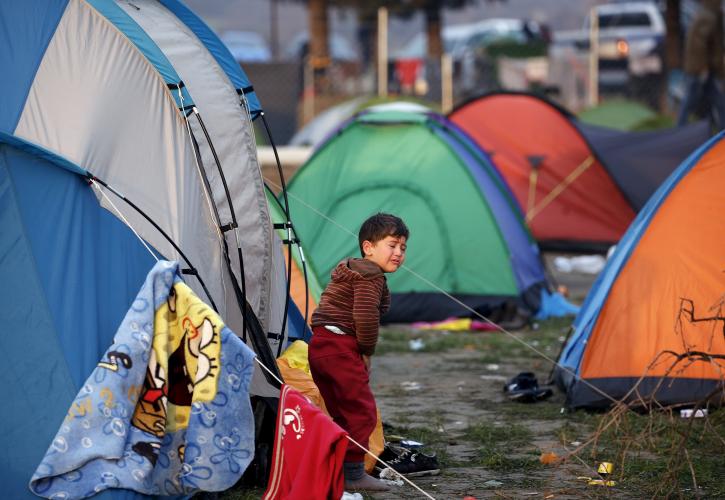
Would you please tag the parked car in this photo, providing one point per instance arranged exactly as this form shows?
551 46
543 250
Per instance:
247 46
631 43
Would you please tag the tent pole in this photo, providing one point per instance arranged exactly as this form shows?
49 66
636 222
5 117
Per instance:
192 270
289 227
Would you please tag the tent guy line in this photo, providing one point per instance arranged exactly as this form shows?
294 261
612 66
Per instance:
358 444
121 216
440 290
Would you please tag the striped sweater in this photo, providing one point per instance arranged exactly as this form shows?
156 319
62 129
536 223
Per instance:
354 301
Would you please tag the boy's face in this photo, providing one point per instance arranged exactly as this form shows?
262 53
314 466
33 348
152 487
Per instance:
388 253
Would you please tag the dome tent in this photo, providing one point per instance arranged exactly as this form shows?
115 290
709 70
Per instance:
651 328
579 185
467 236
145 100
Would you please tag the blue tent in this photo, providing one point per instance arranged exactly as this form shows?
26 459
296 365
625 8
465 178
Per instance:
148 102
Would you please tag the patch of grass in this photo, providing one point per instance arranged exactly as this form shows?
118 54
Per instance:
649 455
487 433
497 443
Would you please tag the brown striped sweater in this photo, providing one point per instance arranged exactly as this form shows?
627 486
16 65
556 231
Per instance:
354 301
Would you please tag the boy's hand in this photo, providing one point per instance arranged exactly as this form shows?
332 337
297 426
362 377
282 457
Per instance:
366 360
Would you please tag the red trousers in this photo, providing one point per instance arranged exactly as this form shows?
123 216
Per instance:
339 372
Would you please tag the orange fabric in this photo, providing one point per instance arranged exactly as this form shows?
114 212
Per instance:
673 281
301 381
297 290
512 128
376 444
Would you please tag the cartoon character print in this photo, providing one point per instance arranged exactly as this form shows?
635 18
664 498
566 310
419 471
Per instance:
182 369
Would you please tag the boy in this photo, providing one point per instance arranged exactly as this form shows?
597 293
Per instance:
345 327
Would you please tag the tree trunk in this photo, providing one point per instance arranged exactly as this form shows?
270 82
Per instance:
319 52
673 42
433 30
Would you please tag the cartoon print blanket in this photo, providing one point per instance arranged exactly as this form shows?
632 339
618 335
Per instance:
165 412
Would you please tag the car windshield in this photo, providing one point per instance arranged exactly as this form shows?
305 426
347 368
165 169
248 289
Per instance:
624 20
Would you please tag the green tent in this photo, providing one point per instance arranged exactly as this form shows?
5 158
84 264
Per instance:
467 236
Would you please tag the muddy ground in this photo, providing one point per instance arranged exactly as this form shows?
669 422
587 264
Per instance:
488 446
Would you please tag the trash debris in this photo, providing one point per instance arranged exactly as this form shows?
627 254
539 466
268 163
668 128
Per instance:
416 344
469 497
410 385
549 496
492 367
601 482
689 413
605 468
496 378
576 443
390 477
549 458
456 325
492 483
409 443
587 264
351 496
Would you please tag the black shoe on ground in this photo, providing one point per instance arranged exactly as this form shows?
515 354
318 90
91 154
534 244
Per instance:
414 463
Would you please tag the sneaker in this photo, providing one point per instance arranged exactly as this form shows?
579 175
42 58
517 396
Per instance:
414 463
525 388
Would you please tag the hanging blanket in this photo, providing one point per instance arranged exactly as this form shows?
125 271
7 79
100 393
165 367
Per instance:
309 450
165 412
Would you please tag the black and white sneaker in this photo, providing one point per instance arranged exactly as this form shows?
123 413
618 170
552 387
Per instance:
414 463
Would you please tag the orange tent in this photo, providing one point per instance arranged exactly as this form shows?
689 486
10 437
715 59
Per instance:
653 327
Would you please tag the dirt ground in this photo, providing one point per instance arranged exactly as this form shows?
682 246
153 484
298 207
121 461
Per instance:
451 398
448 393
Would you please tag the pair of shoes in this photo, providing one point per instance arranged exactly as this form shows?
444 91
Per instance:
525 388
412 463
365 483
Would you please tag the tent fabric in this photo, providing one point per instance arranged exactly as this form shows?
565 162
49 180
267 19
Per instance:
70 110
216 48
640 161
305 289
658 297
416 168
90 97
143 42
320 127
579 185
68 266
231 136
26 33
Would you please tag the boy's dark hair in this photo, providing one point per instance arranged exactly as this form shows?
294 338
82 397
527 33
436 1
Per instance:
380 226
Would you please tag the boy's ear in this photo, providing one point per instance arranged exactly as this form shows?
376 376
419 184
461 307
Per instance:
367 247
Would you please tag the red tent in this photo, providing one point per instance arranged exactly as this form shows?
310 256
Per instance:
579 186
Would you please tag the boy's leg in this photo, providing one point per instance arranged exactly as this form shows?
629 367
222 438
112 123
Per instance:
340 374
343 381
